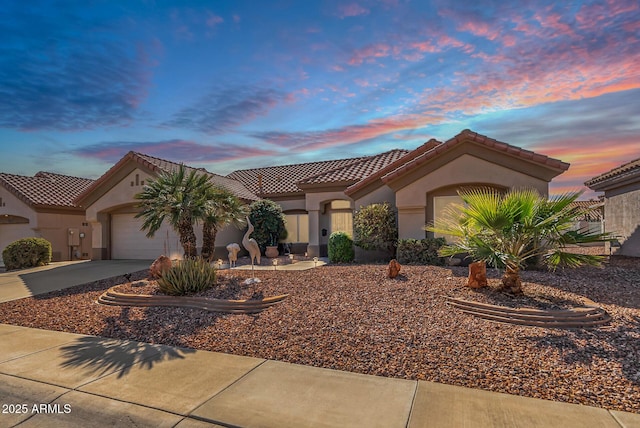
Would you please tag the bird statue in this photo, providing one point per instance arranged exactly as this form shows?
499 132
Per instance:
250 244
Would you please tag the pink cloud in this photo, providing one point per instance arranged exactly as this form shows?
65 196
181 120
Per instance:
213 20
368 53
351 9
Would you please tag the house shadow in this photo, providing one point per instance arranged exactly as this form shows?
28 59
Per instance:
76 276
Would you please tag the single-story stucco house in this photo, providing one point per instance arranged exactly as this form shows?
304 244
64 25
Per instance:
43 206
621 187
319 198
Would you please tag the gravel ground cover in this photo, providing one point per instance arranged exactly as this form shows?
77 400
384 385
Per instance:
351 317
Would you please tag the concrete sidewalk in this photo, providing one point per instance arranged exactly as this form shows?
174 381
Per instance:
58 275
61 379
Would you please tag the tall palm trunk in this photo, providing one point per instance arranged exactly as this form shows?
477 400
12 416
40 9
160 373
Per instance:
511 279
209 232
188 238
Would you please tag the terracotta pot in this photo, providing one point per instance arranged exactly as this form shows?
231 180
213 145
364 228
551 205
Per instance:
271 252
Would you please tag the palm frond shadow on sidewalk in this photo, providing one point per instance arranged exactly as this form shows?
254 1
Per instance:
103 356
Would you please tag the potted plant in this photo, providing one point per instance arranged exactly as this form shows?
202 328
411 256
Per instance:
272 248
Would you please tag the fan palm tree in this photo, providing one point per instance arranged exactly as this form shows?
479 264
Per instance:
222 208
179 197
509 230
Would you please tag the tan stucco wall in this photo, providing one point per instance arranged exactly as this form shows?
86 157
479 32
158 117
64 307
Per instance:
52 226
622 218
298 204
55 227
378 196
412 203
119 195
14 206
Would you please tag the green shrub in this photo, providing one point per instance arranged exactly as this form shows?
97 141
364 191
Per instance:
190 275
420 252
27 252
374 228
268 221
340 248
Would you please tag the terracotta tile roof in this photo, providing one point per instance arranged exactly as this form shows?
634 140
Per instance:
46 189
231 185
356 171
468 135
162 165
595 210
392 166
623 172
280 180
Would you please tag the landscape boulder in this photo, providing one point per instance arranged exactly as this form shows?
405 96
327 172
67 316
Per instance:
393 269
159 265
477 275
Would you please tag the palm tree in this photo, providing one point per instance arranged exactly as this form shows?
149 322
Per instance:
222 209
509 230
178 197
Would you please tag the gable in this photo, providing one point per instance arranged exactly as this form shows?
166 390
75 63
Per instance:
534 166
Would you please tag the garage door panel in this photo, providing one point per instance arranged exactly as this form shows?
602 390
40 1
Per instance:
129 242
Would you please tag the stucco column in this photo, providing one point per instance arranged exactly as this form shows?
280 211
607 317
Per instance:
99 237
411 221
313 249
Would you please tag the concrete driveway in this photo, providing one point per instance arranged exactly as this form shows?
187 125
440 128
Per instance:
56 276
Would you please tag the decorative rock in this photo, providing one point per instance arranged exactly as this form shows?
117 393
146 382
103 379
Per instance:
477 275
159 265
393 269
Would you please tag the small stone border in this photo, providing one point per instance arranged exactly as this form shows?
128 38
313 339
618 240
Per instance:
112 297
569 318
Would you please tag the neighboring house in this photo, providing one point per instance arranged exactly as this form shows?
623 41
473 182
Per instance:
319 198
591 220
621 187
111 208
43 206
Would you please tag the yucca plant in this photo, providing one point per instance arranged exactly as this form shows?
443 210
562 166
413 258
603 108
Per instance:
190 275
508 229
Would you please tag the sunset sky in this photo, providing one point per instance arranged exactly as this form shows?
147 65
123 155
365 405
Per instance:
238 84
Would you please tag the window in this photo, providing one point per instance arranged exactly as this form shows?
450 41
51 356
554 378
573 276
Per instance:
440 206
342 222
297 228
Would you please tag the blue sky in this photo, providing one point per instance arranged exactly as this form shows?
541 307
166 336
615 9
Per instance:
230 85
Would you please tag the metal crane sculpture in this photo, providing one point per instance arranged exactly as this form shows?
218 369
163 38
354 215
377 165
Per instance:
254 250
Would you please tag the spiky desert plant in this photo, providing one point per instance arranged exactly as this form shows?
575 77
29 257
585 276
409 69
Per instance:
190 275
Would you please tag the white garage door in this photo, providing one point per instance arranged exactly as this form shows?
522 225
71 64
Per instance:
12 232
129 242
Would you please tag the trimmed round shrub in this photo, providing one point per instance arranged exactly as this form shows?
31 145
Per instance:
340 248
420 252
374 228
26 253
190 275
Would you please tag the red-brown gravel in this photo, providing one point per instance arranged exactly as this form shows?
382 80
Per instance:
354 318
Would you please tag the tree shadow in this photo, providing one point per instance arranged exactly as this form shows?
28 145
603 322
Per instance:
102 355
581 346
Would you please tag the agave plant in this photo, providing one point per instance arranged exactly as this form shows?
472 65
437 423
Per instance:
509 230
